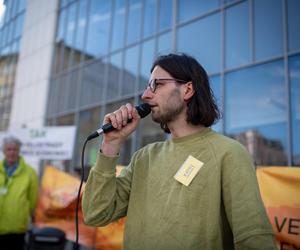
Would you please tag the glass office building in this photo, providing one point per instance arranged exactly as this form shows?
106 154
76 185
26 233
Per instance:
103 51
11 25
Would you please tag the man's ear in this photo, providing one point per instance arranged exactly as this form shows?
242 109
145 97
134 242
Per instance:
188 91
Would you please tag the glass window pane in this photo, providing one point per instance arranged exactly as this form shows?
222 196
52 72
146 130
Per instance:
4 35
114 73
229 1
61 26
188 9
19 26
256 111
149 17
92 83
88 121
70 26
165 14
14 8
98 31
1 40
81 25
134 21
2 13
165 44
63 3
215 85
206 48
146 63
130 71
6 11
118 25
268 28
293 22
22 5
10 32
294 66
237 35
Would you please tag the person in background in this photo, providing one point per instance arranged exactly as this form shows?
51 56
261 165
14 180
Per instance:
18 195
196 190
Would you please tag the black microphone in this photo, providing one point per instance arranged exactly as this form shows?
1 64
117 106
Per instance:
143 109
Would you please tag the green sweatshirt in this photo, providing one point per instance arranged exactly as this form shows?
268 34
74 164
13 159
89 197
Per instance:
16 206
220 209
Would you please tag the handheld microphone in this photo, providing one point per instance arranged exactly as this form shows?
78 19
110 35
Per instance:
143 110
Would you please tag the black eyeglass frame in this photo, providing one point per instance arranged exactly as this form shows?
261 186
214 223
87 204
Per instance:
152 83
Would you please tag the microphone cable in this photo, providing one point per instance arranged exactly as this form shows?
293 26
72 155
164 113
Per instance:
76 247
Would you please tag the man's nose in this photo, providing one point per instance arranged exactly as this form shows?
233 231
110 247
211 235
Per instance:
147 94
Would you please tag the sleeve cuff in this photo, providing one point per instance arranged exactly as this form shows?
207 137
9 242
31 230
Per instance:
105 163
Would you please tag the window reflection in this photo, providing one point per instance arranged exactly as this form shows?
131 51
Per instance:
146 62
294 66
237 35
118 24
130 71
65 120
206 47
134 21
92 83
19 26
165 14
293 27
215 85
149 17
70 29
256 111
88 122
61 26
114 74
98 30
21 5
268 28
164 44
190 8
81 25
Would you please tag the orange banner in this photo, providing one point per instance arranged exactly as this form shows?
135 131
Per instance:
280 191
279 186
57 204
56 208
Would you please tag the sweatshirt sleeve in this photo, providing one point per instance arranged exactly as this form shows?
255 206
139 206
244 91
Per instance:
105 197
243 204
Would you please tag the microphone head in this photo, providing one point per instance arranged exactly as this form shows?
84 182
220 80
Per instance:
143 109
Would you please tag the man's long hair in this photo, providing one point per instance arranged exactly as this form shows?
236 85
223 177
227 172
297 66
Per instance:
202 108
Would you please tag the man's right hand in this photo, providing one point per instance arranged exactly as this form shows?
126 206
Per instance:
112 141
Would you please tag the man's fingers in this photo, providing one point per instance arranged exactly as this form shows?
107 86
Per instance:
111 118
120 117
124 114
130 110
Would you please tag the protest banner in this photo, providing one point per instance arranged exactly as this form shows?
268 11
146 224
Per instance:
280 191
56 208
47 143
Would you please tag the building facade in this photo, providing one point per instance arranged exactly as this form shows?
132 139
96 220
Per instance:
78 60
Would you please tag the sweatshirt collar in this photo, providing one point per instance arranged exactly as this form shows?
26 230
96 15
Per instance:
194 136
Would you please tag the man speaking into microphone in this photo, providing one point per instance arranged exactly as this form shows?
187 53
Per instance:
196 190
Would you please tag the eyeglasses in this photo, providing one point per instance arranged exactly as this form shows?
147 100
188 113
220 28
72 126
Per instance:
153 83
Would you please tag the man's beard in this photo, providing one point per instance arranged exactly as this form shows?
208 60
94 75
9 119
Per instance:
172 108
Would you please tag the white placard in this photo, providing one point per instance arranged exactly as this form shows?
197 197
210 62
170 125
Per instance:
47 143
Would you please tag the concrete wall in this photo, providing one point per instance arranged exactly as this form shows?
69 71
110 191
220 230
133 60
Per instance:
34 66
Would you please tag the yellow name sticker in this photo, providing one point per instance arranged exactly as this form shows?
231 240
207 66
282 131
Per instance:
188 170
